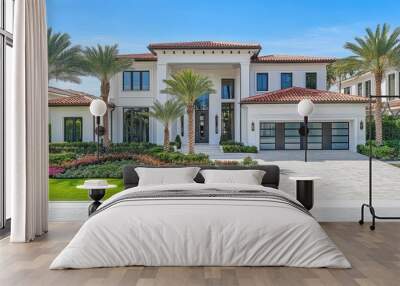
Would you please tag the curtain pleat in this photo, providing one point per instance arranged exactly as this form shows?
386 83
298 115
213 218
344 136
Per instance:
28 159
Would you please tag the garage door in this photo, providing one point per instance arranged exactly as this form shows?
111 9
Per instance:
322 136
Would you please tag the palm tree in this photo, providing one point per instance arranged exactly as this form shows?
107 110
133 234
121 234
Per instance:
338 71
376 52
103 63
171 110
187 86
65 61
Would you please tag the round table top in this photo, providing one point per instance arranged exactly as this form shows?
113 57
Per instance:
300 178
88 187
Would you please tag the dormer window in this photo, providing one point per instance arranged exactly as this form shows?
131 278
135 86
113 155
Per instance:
136 80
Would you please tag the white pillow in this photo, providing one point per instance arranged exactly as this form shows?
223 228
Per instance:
248 177
166 176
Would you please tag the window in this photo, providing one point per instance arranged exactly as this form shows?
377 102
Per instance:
182 125
228 89
391 84
367 88
262 81
347 90
136 80
311 80
136 124
340 136
292 136
286 80
73 129
267 135
359 89
228 121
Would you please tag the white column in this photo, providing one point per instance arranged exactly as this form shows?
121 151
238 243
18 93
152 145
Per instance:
161 76
244 92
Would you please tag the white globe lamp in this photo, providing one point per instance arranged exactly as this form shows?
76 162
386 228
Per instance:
98 107
305 107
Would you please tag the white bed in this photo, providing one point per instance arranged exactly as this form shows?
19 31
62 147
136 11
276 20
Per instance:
200 231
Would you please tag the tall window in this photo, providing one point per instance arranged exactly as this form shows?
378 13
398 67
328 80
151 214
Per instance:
136 124
367 88
6 44
228 121
73 129
311 80
262 81
347 90
228 89
391 84
136 80
286 80
359 89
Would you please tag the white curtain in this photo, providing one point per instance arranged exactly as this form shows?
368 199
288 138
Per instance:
27 124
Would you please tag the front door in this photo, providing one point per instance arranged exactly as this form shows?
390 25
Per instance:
201 129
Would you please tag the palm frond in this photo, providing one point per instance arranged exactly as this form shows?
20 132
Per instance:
64 60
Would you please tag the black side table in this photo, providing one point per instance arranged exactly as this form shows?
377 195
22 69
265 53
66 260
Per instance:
96 193
305 190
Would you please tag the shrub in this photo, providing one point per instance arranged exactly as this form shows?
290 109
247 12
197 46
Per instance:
239 149
226 163
55 170
178 142
182 159
73 147
384 152
59 158
223 142
92 159
248 161
108 169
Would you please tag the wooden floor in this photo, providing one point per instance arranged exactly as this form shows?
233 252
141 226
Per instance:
375 257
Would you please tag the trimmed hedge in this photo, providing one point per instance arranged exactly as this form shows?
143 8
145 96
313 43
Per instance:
82 148
239 149
59 158
109 169
384 152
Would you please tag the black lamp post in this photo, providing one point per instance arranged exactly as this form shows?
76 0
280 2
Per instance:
305 108
98 108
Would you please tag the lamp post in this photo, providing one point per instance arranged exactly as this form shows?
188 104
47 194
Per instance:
98 108
305 108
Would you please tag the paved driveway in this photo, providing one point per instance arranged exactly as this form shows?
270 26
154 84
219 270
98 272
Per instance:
343 186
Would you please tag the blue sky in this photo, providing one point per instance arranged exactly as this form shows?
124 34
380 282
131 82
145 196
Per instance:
308 27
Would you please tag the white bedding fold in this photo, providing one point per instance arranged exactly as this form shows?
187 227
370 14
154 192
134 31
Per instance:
200 231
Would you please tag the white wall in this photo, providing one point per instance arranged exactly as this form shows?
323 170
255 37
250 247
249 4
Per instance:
299 75
353 113
218 65
56 119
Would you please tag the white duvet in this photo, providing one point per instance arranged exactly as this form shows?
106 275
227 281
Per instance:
200 231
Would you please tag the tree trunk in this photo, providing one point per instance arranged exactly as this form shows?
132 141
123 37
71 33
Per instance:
105 91
191 129
166 137
378 110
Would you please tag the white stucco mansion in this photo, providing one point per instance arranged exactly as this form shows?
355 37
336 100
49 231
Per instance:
255 101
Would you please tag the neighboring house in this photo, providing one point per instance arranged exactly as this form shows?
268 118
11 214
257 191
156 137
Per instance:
69 117
364 85
255 101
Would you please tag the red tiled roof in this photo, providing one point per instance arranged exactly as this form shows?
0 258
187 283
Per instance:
203 45
76 100
140 57
292 59
69 97
294 95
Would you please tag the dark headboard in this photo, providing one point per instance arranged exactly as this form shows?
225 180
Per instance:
270 179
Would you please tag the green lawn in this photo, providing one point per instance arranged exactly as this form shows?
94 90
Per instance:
65 189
